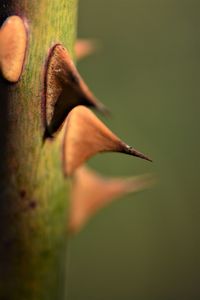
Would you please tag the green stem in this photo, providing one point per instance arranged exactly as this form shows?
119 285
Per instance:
34 195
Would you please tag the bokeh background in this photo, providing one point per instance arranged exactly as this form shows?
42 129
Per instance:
147 71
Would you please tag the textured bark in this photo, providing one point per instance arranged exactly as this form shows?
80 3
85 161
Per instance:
33 191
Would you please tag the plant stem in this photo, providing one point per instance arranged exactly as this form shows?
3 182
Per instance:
34 195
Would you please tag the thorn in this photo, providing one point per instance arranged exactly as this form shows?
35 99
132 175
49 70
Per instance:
84 48
13 44
91 192
64 89
85 135
134 152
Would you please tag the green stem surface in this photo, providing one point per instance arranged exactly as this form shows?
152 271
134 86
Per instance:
34 196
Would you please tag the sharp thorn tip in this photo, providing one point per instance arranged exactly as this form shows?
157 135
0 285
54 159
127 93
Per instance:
134 152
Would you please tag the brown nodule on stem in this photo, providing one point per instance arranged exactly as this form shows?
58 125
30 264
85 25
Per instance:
13 44
85 135
91 192
64 89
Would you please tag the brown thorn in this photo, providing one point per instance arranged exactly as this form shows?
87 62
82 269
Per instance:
84 48
85 135
91 192
64 89
131 151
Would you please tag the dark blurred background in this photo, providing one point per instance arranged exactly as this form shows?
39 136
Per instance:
147 71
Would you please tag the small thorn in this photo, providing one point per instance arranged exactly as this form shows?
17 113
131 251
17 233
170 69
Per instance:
84 48
85 135
64 89
91 192
13 44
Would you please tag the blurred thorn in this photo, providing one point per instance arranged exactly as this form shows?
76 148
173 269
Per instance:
85 135
85 47
91 192
13 44
64 89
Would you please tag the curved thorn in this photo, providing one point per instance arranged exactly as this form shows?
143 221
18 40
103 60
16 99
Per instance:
91 192
64 89
85 135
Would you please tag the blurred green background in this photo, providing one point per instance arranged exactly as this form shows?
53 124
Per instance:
145 246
